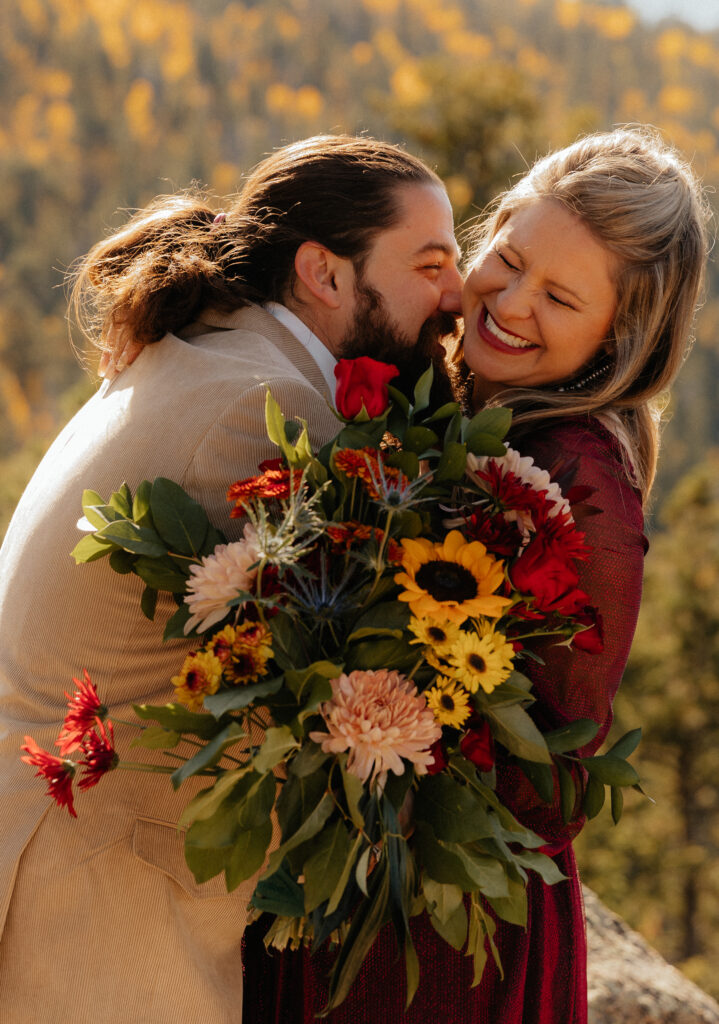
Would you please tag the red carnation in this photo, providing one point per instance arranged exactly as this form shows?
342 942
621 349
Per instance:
362 382
478 747
58 771
100 757
85 708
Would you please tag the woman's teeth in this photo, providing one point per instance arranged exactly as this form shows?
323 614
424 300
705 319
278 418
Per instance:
508 339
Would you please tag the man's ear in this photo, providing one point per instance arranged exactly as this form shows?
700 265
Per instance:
325 275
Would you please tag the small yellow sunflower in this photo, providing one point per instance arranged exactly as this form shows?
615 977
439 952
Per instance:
450 581
438 636
449 702
484 661
200 675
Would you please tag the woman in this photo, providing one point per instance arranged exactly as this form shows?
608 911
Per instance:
578 311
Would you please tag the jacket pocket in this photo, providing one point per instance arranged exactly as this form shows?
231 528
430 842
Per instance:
161 845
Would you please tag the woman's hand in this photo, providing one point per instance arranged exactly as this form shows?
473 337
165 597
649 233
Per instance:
119 351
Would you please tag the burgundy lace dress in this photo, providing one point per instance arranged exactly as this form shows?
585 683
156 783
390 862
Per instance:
544 965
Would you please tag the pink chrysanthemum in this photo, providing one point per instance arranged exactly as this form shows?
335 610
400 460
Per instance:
219 579
379 717
58 772
85 708
100 756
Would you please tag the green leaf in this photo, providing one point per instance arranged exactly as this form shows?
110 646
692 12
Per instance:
180 719
567 792
138 539
354 792
160 573
210 754
455 812
399 399
309 828
444 412
423 389
205 864
541 777
154 737
241 696
512 908
594 796
376 654
513 727
148 602
446 910
419 439
454 864
407 461
324 868
122 562
310 757
175 625
610 770
247 854
347 871
300 681
627 744
178 518
279 894
486 444
141 504
394 615
542 864
452 462
121 500
278 742
617 804
495 421
90 548
208 800
571 736
254 798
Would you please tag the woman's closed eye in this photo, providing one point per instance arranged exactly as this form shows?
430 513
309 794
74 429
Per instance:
504 260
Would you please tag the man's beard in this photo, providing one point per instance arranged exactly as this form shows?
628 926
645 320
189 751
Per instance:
373 333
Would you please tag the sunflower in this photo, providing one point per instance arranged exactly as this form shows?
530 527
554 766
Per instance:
484 661
450 581
449 702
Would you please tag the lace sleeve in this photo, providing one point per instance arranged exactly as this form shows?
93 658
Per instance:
571 683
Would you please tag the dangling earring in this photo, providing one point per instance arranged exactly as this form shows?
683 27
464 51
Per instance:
595 372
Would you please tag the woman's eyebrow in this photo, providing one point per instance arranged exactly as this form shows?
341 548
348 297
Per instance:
552 284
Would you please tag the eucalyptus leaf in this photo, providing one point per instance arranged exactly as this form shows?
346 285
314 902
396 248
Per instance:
278 742
180 719
627 744
513 727
309 828
206 802
423 389
160 573
205 864
280 894
419 439
154 737
541 777
594 797
453 810
90 548
148 602
612 771
240 697
121 500
138 539
617 804
567 792
122 562
325 867
452 462
175 625
141 504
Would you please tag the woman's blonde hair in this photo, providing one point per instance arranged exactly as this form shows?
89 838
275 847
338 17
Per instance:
642 201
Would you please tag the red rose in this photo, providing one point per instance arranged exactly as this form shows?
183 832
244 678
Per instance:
440 758
591 639
478 746
542 572
361 382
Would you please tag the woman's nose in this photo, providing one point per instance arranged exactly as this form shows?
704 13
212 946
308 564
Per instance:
514 300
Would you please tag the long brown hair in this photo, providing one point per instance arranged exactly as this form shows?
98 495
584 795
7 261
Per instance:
642 201
176 256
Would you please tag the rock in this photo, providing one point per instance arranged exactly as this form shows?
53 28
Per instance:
630 983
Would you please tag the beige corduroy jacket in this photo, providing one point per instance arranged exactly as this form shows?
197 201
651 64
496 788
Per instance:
102 920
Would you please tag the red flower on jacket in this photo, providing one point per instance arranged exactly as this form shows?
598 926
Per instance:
274 482
590 639
58 771
85 708
478 747
362 381
100 756
543 571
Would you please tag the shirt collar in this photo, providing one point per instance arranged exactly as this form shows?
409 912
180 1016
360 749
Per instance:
306 337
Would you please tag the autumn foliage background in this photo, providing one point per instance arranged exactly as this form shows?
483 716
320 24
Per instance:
106 103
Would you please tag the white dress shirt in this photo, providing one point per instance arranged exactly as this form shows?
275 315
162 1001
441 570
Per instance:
316 348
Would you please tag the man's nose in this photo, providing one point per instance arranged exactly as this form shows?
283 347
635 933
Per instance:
451 298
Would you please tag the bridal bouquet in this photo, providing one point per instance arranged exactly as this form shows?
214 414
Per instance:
357 668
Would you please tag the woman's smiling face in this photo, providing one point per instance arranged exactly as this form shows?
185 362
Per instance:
539 302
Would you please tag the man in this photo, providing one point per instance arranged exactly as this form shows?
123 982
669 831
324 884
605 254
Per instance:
335 246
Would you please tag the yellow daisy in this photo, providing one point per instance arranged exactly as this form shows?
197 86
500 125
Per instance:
449 702
438 636
484 661
450 581
200 675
